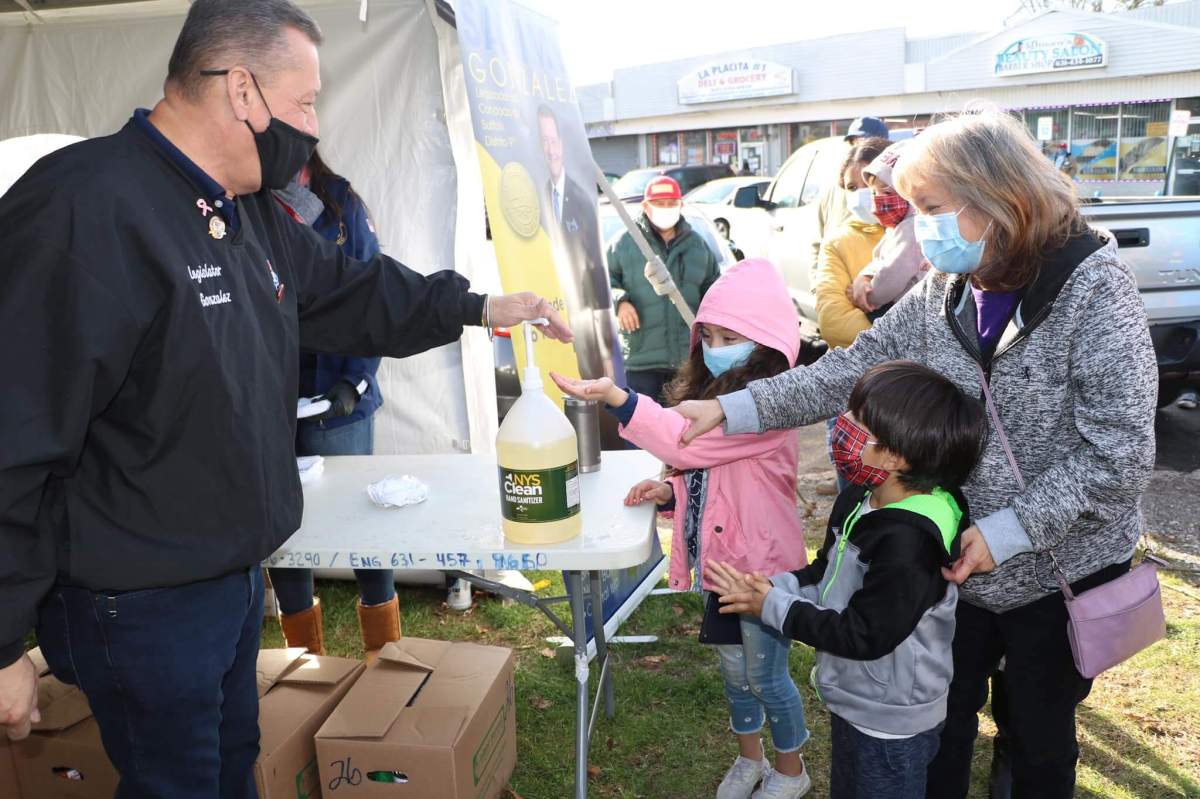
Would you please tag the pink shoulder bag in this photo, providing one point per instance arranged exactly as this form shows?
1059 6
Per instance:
1111 622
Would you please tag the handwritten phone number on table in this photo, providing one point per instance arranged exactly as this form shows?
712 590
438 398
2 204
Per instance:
295 560
408 560
462 560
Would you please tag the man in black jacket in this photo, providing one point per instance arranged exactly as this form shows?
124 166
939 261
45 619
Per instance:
155 300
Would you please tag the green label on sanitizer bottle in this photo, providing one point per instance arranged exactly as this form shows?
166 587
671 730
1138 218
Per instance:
543 495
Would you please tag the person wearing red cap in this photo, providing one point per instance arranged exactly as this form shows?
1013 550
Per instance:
657 335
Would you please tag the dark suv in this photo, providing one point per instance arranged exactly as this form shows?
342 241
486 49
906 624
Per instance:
632 185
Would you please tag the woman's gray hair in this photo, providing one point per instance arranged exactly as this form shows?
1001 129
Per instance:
987 160
222 34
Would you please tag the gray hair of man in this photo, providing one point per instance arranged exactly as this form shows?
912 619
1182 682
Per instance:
221 34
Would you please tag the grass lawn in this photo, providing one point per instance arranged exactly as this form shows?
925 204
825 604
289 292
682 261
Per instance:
1139 729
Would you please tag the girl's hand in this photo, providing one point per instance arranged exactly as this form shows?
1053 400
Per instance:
601 389
650 491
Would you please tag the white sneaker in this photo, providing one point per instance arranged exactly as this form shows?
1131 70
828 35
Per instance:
1188 401
460 596
742 778
781 786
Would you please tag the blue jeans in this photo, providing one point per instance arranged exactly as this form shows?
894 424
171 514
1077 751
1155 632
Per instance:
294 587
170 677
759 686
842 485
865 767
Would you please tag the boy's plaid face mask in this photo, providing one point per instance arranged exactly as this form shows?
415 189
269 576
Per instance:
847 444
890 208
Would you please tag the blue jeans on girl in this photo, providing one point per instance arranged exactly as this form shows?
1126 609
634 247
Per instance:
760 687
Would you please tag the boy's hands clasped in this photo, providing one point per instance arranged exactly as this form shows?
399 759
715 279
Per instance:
738 592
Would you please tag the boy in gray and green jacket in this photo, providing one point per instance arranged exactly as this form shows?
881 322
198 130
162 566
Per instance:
875 603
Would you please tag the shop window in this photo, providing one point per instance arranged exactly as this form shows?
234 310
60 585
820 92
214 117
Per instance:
1094 135
752 135
1144 128
725 146
1185 161
1051 128
695 147
668 147
805 132
841 127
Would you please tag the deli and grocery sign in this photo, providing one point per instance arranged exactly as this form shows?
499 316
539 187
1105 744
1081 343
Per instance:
735 79
1057 53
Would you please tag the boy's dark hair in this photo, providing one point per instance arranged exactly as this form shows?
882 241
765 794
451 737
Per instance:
921 416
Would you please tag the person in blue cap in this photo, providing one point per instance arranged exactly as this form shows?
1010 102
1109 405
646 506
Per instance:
866 127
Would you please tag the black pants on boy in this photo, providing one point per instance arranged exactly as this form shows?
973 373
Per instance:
1042 689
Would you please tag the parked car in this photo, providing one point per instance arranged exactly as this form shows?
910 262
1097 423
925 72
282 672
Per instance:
781 224
714 197
1156 237
612 178
632 185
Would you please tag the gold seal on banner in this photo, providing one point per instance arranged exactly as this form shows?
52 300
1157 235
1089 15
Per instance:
519 200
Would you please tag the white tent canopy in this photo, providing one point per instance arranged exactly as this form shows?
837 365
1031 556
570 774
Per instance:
383 116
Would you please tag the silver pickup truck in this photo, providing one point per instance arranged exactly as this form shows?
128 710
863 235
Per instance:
1159 237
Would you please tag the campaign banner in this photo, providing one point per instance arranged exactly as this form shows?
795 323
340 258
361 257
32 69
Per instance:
539 185
539 180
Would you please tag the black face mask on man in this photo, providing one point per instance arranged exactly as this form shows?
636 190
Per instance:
282 149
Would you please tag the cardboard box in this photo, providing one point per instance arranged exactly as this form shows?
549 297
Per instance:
297 692
63 757
435 719
9 788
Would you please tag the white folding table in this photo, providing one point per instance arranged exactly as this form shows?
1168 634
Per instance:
457 530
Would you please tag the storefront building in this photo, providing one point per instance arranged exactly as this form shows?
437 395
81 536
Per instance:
1113 98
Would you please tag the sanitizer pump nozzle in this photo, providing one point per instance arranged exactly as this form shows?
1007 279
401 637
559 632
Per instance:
532 379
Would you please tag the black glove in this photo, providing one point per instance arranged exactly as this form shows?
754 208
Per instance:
343 399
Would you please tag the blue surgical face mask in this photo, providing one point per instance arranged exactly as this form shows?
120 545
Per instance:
943 243
720 360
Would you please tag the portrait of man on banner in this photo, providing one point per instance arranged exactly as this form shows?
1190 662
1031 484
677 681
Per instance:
569 212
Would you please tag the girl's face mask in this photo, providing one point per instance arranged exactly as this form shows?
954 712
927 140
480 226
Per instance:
720 360
847 444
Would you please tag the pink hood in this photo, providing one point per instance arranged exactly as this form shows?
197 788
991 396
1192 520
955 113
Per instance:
752 300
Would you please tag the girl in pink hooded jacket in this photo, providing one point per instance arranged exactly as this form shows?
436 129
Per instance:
734 499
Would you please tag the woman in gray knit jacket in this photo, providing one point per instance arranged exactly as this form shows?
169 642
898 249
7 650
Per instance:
1028 298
